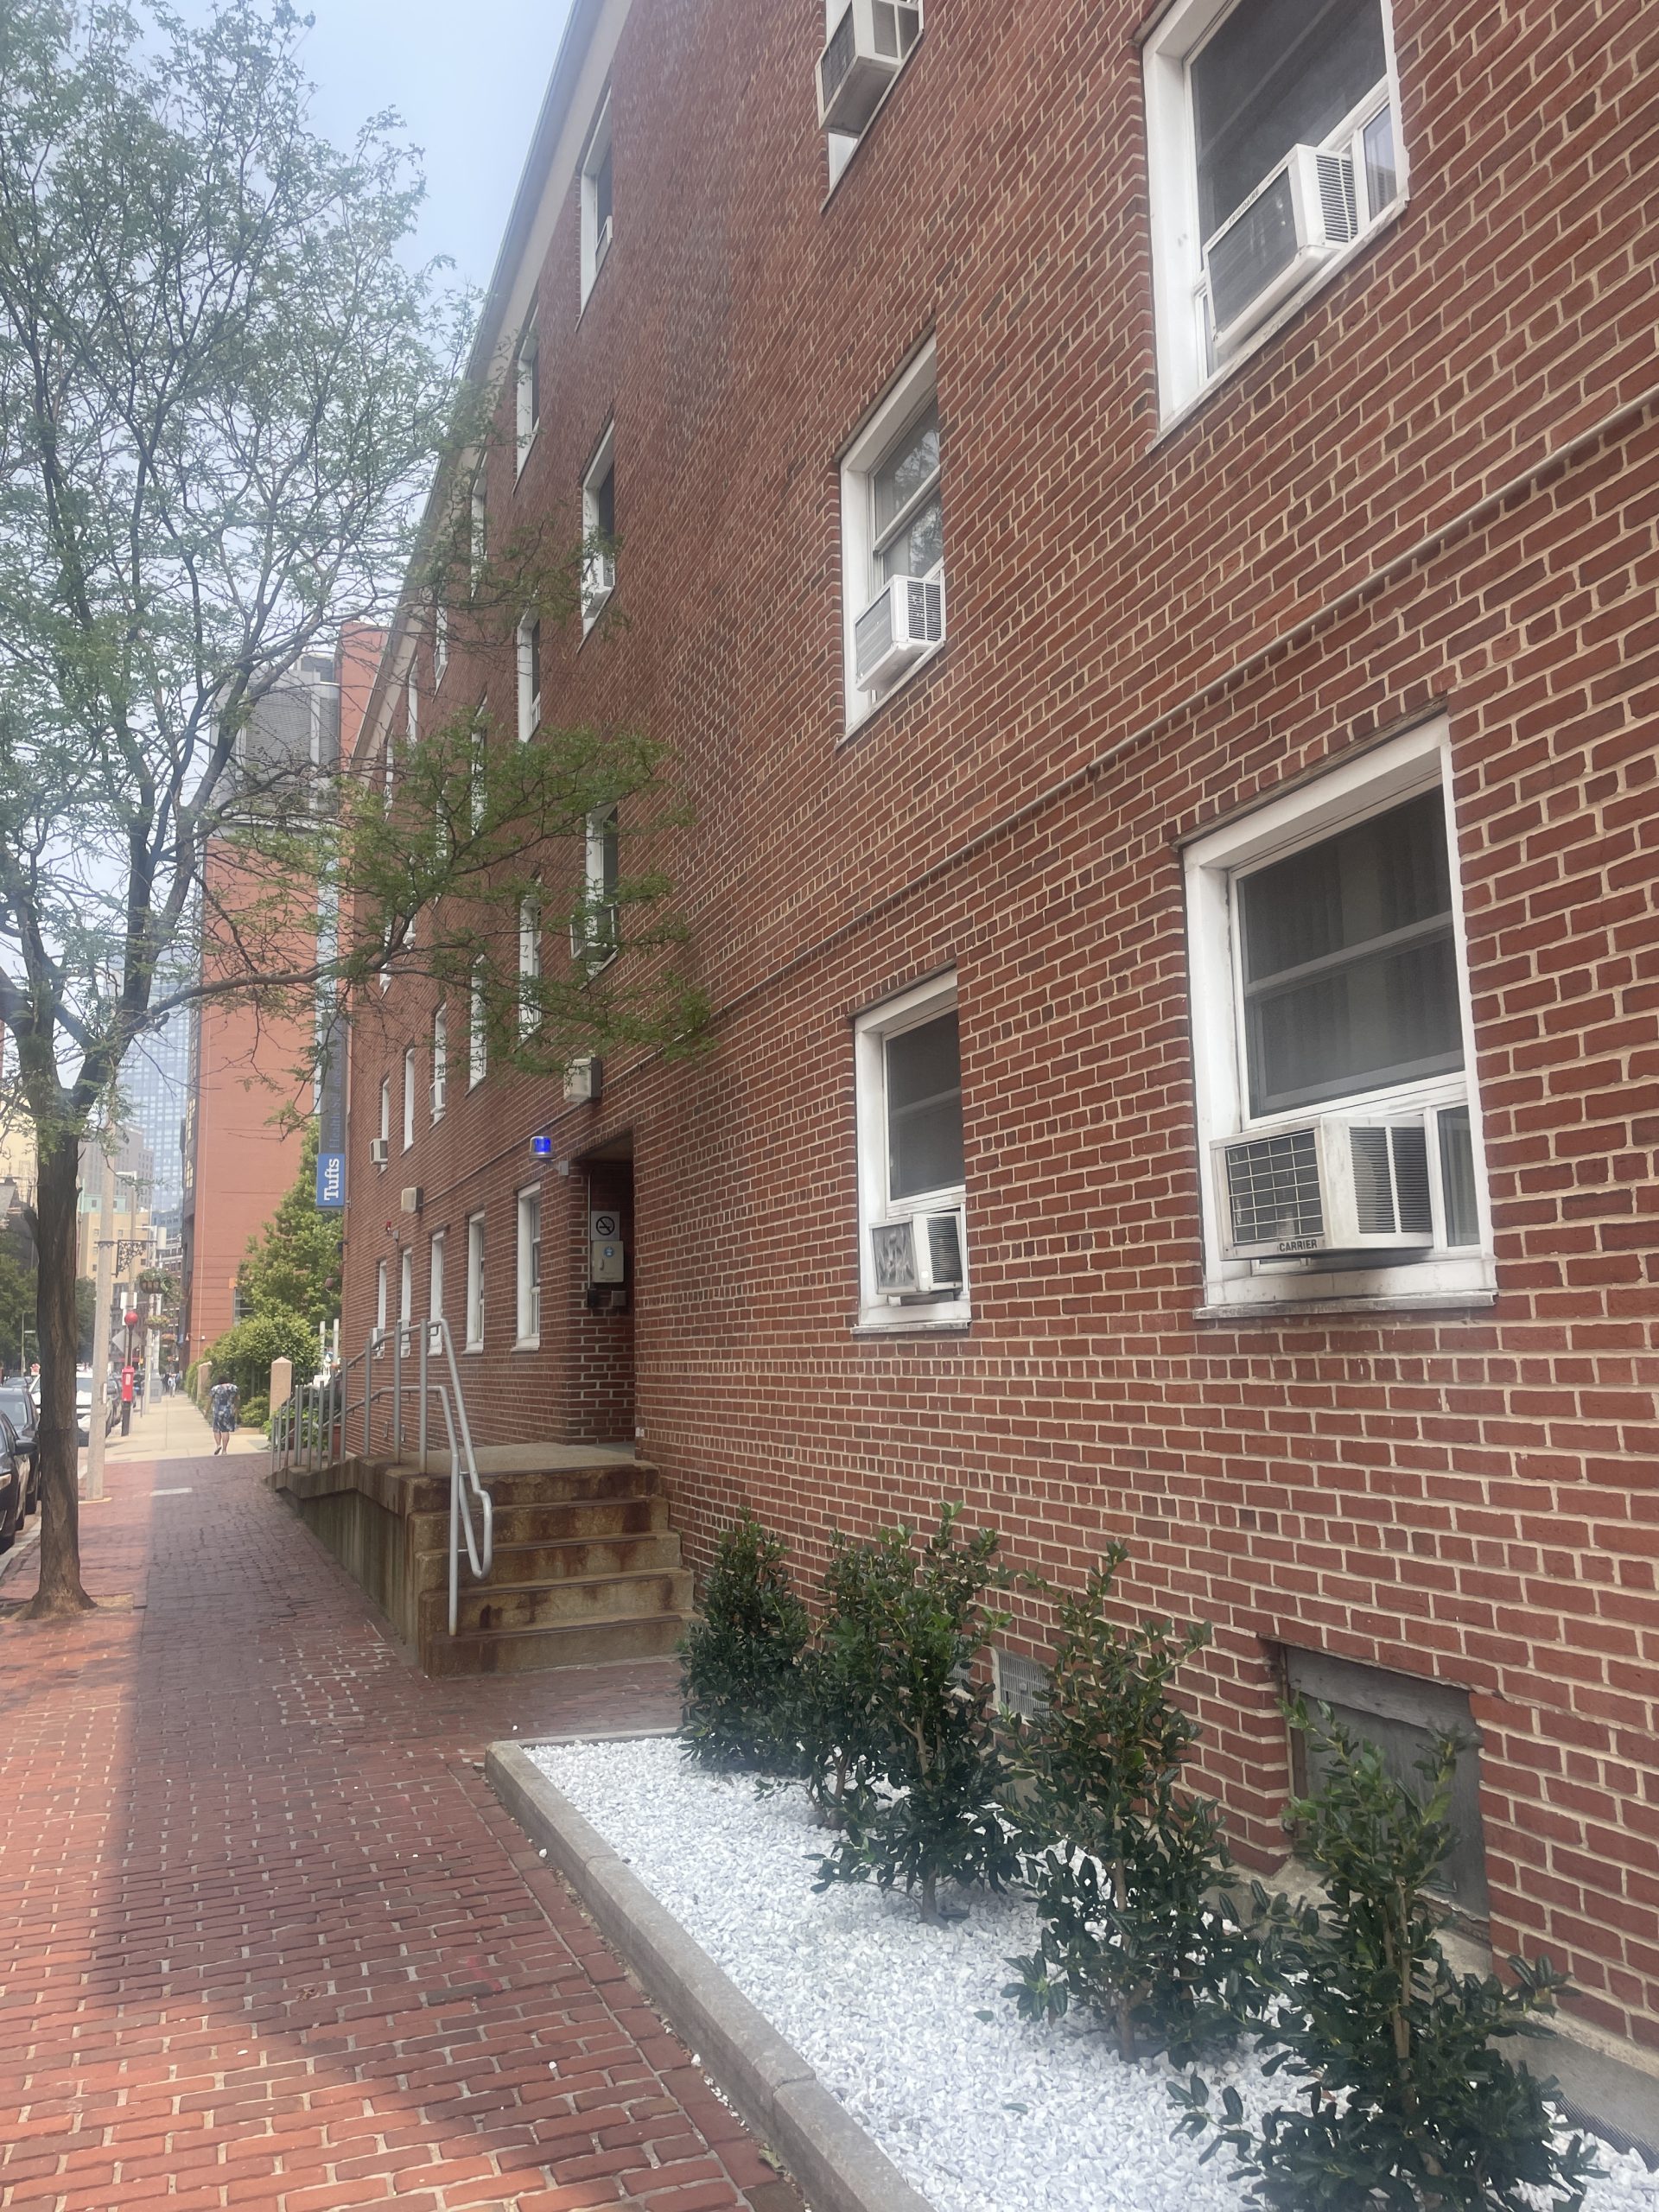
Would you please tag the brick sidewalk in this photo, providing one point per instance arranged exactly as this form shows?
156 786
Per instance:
265 1938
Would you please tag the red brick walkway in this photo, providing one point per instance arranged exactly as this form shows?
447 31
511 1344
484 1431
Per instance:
266 1939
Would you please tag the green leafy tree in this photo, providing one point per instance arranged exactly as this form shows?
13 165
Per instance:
294 1261
16 1304
243 1355
939 1749
85 1316
1123 1863
738 1659
1408 2103
223 397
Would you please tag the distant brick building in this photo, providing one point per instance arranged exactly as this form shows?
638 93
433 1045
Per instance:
239 1158
1144 545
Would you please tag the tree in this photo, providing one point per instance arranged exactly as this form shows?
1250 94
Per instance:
222 397
293 1262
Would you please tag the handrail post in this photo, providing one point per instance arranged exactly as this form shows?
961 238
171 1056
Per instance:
420 1451
397 1394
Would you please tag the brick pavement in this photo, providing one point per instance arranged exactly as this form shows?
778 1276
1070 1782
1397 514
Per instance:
265 1938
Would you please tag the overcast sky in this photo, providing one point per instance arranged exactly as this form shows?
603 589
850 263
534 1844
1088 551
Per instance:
467 76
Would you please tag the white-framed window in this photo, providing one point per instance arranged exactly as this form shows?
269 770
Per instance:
1273 149
439 644
1332 1059
440 1062
435 1283
478 528
530 965
412 723
475 1282
527 392
478 764
382 1284
530 1270
598 532
595 933
478 1030
892 540
406 1290
866 44
597 222
529 676
386 1119
409 1097
912 1191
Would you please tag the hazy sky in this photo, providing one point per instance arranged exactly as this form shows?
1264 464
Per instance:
467 76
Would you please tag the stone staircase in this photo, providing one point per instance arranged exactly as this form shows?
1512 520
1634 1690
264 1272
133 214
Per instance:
585 1568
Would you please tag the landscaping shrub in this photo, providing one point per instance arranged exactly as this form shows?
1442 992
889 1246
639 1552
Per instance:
837 1720
1407 2104
933 1726
737 1662
1122 1862
254 1412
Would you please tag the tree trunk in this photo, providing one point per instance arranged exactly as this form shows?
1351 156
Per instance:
59 1339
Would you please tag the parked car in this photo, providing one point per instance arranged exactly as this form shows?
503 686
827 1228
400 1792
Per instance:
14 1483
17 1404
84 1407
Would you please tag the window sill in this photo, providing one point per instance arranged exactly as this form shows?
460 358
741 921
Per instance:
1318 282
1238 1311
527 1344
930 660
953 1325
879 111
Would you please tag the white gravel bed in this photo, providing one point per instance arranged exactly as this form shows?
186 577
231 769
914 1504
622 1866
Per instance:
981 2113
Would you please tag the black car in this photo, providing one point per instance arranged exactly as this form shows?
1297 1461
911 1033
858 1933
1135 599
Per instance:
17 1404
14 1483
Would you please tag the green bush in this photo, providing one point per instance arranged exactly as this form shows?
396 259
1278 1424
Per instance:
1124 1865
737 1662
934 1732
254 1412
1407 2105
243 1354
836 1721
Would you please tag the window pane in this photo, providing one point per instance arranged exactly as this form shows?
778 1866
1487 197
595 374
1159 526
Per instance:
911 464
1350 964
1277 73
919 547
1458 1177
605 505
925 1109
1382 180
602 191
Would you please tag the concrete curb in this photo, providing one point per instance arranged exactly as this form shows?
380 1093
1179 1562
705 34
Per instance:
839 2166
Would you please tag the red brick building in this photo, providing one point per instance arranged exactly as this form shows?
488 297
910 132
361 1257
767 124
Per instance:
1145 551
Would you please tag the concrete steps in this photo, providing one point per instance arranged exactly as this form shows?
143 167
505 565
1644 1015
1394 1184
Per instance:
586 1569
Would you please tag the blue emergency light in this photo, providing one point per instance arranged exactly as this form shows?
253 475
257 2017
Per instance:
542 1147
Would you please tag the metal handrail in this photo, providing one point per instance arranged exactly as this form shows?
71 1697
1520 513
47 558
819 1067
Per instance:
312 1430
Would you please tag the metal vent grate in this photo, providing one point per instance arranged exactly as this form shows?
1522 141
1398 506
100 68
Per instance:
1411 1179
1273 1188
838 55
945 1250
894 27
1373 1184
872 633
1339 199
895 1254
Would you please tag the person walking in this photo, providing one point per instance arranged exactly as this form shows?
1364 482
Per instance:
221 1412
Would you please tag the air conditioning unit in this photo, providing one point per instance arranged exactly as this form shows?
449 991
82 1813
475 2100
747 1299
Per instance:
898 628
1343 1191
584 1080
920 1257
598 582
864 54
414 1198
379 1151
1296 218
602 242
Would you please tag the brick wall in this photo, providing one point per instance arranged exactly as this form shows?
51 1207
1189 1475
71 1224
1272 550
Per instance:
1434 490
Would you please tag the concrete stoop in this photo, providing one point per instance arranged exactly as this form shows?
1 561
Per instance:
585 1568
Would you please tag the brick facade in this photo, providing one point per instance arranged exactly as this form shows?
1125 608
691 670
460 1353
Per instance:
1433 491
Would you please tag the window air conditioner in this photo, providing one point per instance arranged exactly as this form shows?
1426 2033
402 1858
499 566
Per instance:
864 52
1333 1189
920 1257
1294 219
584 1080
599 581
379 1151
898 628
